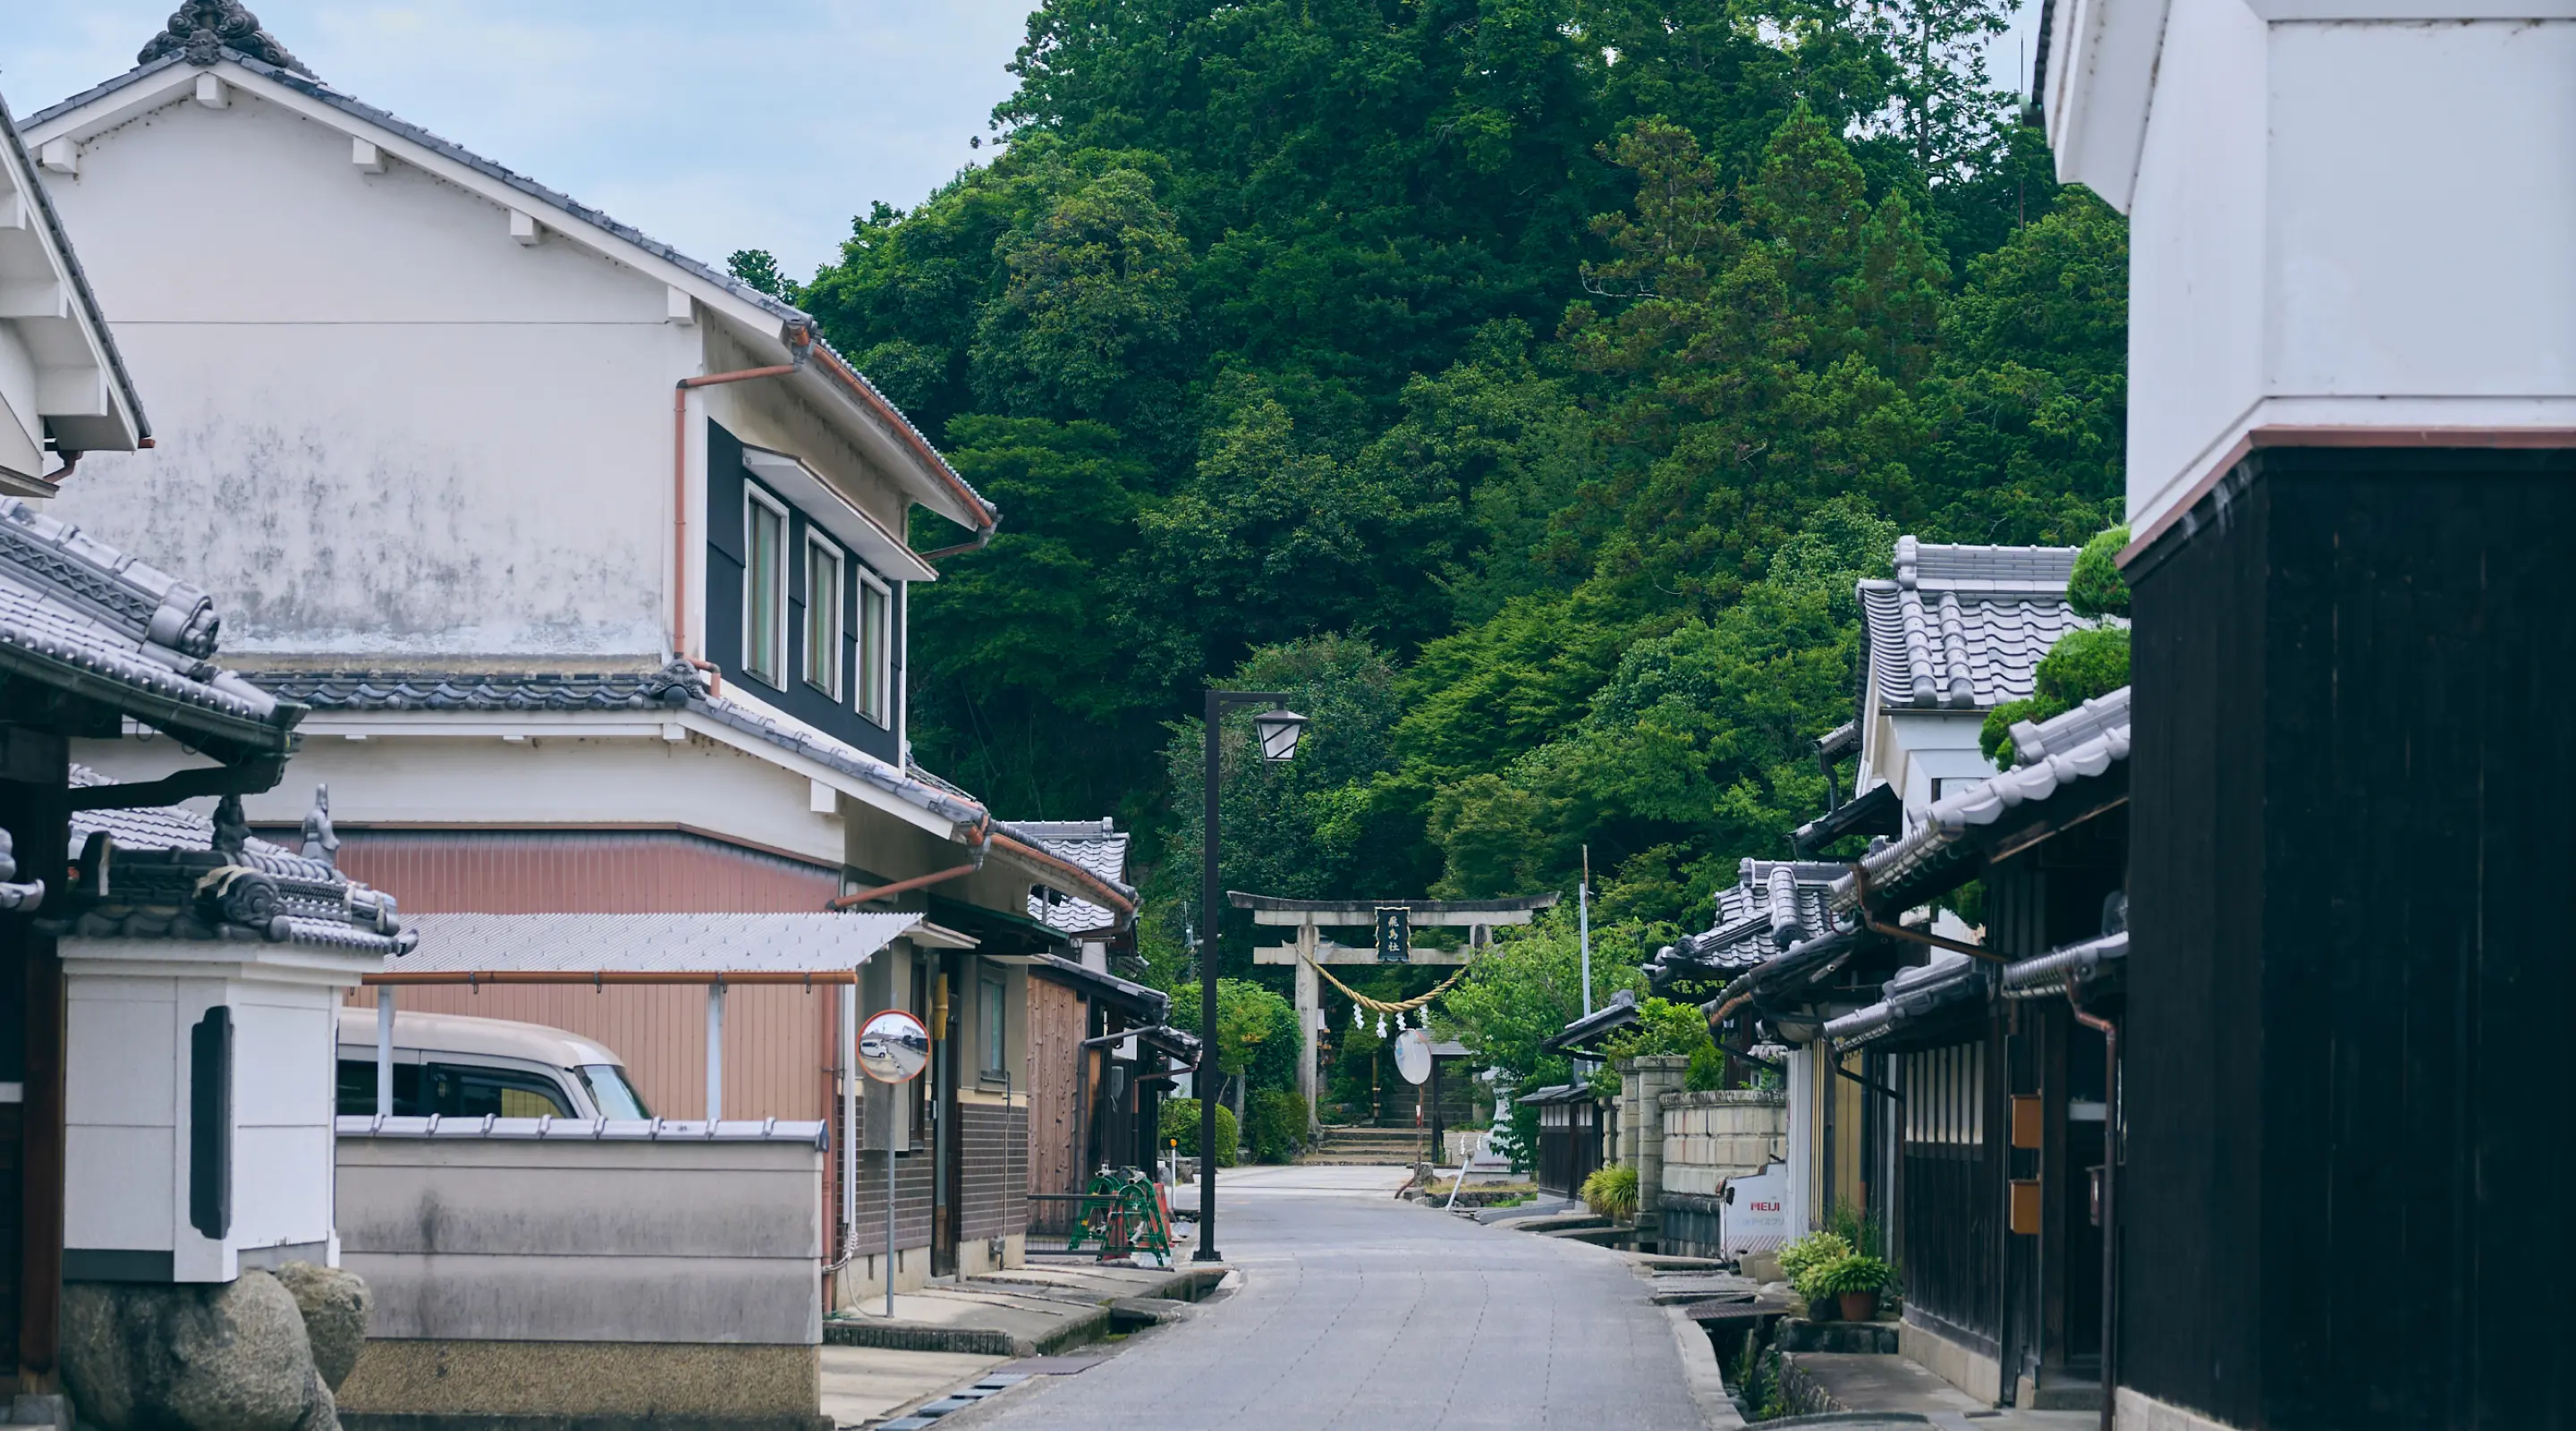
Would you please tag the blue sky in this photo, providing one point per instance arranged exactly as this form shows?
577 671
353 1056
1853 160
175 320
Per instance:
767 128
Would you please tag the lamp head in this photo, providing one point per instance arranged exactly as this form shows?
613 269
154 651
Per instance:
1278 730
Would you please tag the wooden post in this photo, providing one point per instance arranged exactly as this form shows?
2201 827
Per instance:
36 809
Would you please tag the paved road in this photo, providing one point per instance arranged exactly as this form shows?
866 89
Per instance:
1358 1311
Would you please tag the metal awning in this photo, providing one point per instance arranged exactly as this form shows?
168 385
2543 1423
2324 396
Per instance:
683 948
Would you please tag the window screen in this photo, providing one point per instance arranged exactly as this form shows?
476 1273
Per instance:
993 1026
823 618
876 654
764 595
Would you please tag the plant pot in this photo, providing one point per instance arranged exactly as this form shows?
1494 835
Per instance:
1858 1306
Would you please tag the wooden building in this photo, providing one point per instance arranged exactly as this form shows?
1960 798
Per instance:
1989 1064
1101 1058
592 563
2351 452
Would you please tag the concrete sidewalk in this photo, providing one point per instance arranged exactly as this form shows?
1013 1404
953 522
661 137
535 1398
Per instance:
947 1335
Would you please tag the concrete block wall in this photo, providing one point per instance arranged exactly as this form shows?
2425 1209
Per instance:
1710 1137
585 1271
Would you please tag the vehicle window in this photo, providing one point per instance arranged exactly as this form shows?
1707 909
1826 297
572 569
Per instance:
615 1097
458 1090
358 1089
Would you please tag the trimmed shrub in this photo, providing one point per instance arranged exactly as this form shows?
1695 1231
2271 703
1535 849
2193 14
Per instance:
1612 1193
2097 588
1181 1124
1278 1128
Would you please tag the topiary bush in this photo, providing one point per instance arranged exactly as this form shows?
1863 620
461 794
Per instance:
1612 1193
1278 1128
2097 588
1181 1124
2086 662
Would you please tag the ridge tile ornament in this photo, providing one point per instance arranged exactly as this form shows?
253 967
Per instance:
201 878
201 29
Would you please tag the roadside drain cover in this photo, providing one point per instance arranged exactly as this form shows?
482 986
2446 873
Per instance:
1045 1366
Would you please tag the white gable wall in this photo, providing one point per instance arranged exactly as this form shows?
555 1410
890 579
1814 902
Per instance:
2346 214
385 427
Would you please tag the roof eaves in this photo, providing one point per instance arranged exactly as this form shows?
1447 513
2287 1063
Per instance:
99 331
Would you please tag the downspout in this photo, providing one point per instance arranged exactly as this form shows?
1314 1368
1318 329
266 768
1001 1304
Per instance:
800 343
2110 1032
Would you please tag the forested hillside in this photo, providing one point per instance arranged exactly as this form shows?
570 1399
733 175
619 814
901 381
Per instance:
1522 383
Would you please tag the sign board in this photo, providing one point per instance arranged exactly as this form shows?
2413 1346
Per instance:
1756 1218
1413 1055
1394 934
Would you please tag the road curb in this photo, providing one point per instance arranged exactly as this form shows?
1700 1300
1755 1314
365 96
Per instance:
1701 1374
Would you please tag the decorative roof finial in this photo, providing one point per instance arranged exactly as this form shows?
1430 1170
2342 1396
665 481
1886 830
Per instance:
231 830
321 843
201 28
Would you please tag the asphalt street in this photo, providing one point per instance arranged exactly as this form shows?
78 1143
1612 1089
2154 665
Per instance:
1359 1311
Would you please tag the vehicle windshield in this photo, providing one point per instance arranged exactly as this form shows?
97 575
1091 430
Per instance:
611 1093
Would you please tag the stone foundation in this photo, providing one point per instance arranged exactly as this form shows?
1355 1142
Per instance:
423 1384
2137 1411
1957 1363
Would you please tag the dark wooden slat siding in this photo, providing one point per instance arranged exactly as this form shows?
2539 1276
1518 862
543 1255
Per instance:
2350 960
11 1124
994 1182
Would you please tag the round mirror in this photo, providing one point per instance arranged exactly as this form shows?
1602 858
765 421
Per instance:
1413 1055
894 1047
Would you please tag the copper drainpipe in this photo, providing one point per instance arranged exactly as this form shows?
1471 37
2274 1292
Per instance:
854 900
799 343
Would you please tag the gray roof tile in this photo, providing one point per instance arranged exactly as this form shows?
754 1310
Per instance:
1772 905
157 886
75 612
1964 627
2103 726
1095 846
677 686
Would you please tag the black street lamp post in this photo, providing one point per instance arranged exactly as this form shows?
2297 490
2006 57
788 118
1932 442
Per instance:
1278 729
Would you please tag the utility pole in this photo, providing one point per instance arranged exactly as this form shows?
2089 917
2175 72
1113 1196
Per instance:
1583 926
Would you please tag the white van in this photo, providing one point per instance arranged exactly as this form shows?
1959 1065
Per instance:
458 1066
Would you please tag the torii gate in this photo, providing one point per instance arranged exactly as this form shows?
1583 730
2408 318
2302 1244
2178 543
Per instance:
1477 916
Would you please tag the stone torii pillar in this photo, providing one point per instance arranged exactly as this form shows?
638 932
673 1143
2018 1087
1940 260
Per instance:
1309 917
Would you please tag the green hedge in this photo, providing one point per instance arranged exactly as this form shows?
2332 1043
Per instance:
1278 1125
1181 1124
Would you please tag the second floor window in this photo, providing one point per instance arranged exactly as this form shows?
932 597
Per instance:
764 589
823 616
876 653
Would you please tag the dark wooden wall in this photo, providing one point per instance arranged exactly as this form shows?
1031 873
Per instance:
2350 976
1056 1029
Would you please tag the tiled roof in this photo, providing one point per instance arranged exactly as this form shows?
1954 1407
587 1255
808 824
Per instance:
681 943
1097 847
200 28
1948 979
2052 973
167 878
2083 745
80 615
1772 905
305 84
1963 627
86 296
1875 811
677 686
1619 1013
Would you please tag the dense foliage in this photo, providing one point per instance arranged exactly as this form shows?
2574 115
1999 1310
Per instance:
1521 385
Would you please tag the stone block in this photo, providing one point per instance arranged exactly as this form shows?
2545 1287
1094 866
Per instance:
194 1356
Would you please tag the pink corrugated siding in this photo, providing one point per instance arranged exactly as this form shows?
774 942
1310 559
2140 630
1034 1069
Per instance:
778 1041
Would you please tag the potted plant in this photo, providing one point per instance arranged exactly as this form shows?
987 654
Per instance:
1799 1261
1854 1283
